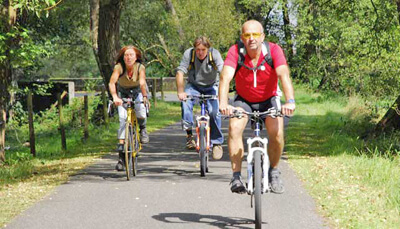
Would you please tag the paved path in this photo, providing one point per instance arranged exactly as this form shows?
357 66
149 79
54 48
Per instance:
167 193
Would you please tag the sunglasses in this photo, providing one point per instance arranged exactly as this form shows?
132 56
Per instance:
254 35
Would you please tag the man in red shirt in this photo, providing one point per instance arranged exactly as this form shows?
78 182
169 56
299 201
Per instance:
256 86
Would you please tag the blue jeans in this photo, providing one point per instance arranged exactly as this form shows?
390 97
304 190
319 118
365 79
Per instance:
212 108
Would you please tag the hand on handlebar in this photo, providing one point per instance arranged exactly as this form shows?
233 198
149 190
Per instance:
226 110
117 101
182 96
288 109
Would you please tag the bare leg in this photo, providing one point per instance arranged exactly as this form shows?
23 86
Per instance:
276 142
235 142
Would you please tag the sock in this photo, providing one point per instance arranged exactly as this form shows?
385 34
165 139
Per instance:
189 132
236 174
142 123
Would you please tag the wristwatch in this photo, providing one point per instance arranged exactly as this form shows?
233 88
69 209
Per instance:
291 101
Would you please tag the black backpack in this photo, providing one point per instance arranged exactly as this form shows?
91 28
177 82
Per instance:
267 58
241 48
210 59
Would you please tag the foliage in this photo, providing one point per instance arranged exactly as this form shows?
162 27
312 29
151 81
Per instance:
153 24
351 47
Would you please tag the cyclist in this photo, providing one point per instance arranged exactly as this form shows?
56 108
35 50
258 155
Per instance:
256 89
130 76
202 64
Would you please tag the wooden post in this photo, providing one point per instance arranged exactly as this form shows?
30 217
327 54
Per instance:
31 127
105 106
162 88
86 109
154 92
62 130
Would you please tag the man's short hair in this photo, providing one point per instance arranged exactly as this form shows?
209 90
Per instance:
202 40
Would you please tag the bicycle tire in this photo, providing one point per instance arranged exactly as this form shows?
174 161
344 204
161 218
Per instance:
203 150
135 151
257 188
127 149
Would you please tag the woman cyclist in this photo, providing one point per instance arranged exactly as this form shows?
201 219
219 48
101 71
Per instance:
130 76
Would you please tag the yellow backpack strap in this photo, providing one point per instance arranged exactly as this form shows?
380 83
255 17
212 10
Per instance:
192 59
211 60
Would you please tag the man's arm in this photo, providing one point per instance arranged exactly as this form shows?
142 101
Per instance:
287 87
180 85
225 78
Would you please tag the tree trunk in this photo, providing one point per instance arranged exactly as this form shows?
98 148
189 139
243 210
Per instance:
288 34
94 28
108 36
7 20
170 8
391 120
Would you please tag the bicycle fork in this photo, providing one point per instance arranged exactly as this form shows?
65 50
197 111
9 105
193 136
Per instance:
205 120
250 163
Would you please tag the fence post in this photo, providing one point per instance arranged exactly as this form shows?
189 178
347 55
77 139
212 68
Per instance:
154 92
31 127
105 106
86 109
162 88
62 130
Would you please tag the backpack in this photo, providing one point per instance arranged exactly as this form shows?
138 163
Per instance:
210 59
267 58
241 50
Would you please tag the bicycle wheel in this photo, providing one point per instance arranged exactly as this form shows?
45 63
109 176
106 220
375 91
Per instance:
128 148
203 150
257 188
135 151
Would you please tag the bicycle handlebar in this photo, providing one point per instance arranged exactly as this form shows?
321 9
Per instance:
202 97
272 112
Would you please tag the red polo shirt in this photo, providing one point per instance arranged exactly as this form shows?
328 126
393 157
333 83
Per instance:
267 80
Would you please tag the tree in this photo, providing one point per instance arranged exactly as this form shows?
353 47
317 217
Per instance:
16 49
108 36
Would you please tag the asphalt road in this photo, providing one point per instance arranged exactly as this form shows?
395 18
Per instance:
167 193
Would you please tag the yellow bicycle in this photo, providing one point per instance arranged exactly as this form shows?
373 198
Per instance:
132 144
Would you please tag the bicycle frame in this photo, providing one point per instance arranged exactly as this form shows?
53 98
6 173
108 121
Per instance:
203 118
132 143
259 144
203 131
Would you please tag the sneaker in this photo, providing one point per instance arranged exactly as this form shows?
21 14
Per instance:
120 166
237 185
217 152
144 137
276 183
190 144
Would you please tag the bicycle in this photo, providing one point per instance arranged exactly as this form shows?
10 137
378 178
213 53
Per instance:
257 160
132 144
203 131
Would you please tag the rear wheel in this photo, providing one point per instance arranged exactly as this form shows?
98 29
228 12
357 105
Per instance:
203 150
257 188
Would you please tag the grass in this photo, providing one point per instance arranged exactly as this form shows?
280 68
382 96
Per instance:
25 180
354 187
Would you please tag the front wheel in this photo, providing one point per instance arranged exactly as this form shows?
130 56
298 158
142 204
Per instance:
135 152
257 188
128 149
203 150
